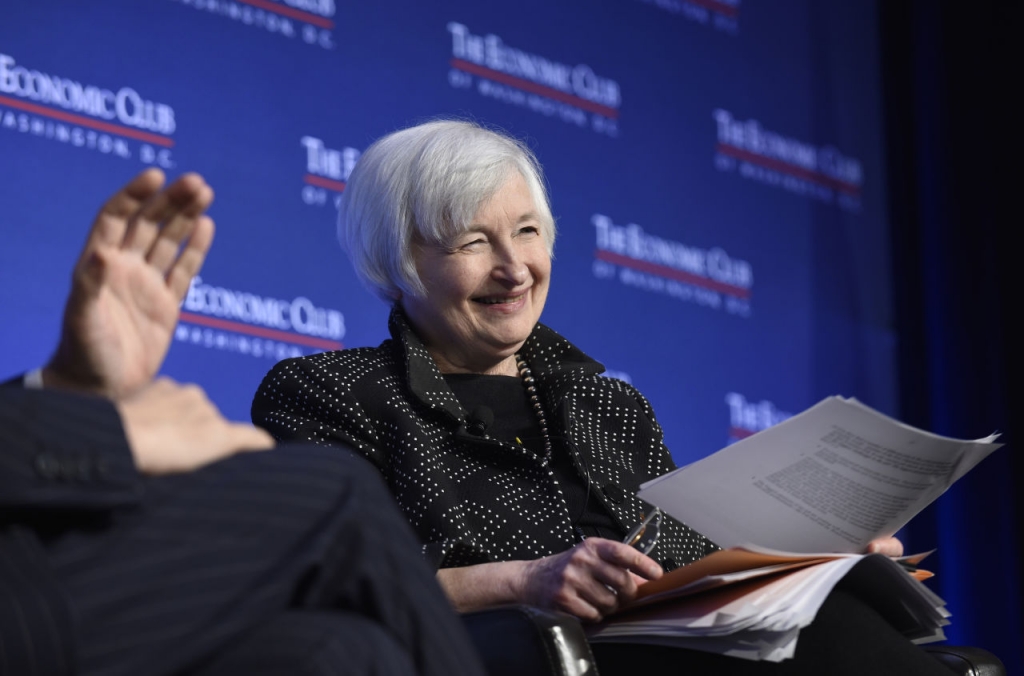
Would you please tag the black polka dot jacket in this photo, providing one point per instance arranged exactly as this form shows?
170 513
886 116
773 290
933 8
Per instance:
472 499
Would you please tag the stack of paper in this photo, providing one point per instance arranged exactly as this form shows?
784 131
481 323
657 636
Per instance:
757 613
830 479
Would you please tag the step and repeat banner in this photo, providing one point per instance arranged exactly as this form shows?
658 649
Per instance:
715 169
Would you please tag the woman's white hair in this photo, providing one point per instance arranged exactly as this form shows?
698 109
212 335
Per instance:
427 181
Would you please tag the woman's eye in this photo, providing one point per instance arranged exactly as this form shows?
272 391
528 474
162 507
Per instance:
471 244
529 230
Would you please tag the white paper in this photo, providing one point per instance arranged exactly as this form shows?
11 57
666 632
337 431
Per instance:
764 623
830 479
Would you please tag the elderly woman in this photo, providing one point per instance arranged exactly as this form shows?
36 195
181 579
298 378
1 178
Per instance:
514 460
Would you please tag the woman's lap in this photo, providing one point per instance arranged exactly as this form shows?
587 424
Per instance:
847 637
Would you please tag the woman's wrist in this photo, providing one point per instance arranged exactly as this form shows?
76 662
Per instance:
484 585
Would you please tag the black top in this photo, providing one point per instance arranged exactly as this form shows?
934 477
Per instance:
515 422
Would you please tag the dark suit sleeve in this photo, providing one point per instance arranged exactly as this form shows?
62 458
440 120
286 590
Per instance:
59 453
63 451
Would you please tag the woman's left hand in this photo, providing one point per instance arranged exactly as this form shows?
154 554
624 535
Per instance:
888 546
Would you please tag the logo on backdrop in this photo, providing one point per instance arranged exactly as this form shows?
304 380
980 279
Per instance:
311 21
327 171
722 14
574 94
118 122
710 278
217 318
819 172
749 417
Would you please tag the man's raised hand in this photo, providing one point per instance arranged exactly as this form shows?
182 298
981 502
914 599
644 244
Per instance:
145 246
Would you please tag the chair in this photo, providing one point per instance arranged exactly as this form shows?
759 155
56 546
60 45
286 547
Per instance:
519 639
967 660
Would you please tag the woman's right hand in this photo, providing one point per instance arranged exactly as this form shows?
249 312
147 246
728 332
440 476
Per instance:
589 581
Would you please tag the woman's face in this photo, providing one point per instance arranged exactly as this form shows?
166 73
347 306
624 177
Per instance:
485 293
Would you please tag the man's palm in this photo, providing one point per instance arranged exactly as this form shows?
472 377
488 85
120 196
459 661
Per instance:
144 248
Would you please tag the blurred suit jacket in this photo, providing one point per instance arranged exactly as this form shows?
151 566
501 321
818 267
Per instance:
105 571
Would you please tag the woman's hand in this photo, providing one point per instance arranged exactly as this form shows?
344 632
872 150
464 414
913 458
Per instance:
887 546
589 581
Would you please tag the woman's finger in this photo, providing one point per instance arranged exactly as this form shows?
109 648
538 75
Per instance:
887 546
624 556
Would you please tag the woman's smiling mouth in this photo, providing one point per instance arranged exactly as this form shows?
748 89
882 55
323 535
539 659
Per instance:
499 300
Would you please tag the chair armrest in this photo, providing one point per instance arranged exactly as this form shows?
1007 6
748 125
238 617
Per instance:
519 639
967 660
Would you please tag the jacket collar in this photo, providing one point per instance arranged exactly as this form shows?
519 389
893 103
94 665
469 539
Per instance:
555 362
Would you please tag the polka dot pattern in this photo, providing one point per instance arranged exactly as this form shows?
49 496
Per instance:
472 499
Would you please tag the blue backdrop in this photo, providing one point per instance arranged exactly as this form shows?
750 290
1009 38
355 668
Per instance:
716 171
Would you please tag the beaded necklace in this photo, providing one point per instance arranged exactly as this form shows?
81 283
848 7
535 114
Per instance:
531 391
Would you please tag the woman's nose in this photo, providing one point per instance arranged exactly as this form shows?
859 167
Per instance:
511 267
